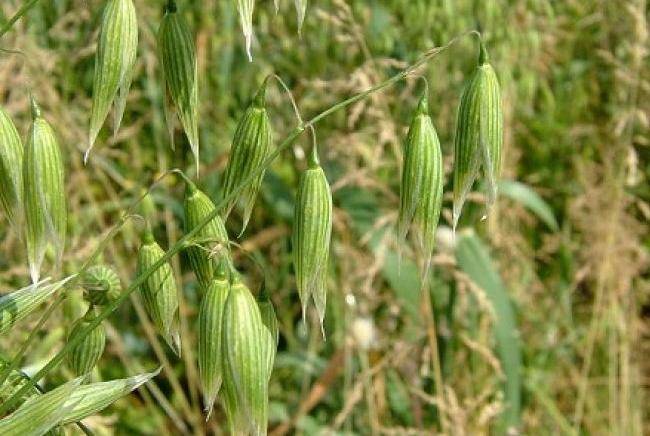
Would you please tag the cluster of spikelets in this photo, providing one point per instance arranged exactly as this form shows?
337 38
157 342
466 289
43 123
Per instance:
237 333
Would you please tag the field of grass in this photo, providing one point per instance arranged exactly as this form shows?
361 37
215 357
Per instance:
535 320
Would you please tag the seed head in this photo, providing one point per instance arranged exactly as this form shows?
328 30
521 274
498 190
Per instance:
114 65
246 345
479 134
159 291
422 180
312 228
84 355
180 75
251 145
101 285
212 245
43 193
209 337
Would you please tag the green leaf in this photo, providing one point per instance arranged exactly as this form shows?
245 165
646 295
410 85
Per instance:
474 259
524 194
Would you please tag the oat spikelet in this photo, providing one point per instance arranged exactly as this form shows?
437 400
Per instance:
246 345
312 229
209 337
180 74
114 65
159 291
43 193
251 145
479 134
422 181
84 356
212 245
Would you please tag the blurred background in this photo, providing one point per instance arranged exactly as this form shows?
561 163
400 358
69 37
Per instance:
539 314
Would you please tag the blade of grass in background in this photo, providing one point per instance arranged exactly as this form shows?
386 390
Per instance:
530 199
474 259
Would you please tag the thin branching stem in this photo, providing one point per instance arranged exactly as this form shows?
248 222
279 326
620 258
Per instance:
188 237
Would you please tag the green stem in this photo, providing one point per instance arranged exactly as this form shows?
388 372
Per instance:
183 241
17 16
13 364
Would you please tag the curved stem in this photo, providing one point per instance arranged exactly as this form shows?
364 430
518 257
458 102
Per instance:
185 239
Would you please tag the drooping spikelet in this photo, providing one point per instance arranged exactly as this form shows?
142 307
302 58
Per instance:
479 134
245 9
209 336
11 166
159 291
312 229
84 355
101 285
43 193
246 345
114 65
212 239
251 145
180 75
422 180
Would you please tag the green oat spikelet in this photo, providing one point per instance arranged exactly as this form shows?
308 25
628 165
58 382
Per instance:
84 356
209 337
312 229
213 236
251 145
422 181
101 285
159 291
245 9
114 65
43 193
245 359
301 10
11 165
180 75
479 134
